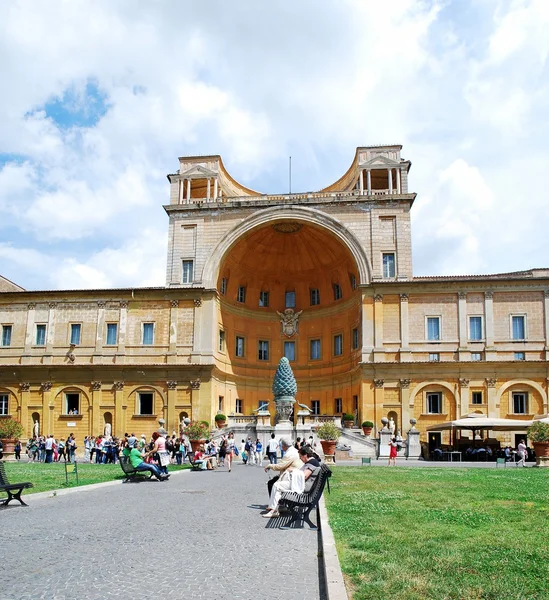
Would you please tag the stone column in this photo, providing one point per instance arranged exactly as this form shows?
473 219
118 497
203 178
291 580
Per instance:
123 321
197 329
379 396
463 398
378 328
188 191
100 327
95 417
29 335
208 190
172 351
50 333
195 398
462 323
398 180
24 386
405 353
489 318
369 181
119 409
367 328
171 419
181 186
361 179
215 188
491 385
46 427
405 401
390 178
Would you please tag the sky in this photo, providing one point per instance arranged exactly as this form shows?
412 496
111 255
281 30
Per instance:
99 99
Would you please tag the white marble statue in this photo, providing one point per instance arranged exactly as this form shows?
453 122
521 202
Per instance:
36 428
108 430
391 425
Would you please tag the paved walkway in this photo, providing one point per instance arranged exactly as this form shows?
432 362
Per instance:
199 535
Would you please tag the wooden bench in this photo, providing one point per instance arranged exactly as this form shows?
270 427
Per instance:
302 504
131 473
13 490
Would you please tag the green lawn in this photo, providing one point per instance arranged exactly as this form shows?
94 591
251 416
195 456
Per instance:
442 534
48 477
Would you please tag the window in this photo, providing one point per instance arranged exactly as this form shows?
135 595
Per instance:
76 328
221 340
476 356
434 403
40 335
263 350
355 338
520 356
72 403
518 329
4 405
239 346
475 329
520 403
476 397
112 334
223 289
238 405
148 334
289 350
241 294
315 407
352 280
315 297
220 403
389 265
187 272
146 403
337 292
338 405
433 329
6 335
263 298
434 357
290 299
338 344
315 350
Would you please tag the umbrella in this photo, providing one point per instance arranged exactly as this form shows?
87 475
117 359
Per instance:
482 422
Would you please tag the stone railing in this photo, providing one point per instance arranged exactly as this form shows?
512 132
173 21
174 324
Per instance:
242 420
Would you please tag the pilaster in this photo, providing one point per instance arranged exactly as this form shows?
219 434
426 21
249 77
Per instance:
462 404
405 401
546 321
100 328
123 320
47 411
462 324
119 408
95 417
405 354
30 327
24 404
491 396
379 353
489 317
379 397
170 416
367 328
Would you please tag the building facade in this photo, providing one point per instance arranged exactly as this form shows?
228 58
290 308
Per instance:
323 278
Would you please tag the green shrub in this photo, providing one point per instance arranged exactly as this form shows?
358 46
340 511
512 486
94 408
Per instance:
10 429
348 417
367 424
329 432
538 432
197 431
220 417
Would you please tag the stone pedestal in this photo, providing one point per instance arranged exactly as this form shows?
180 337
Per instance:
413 447
542 461
285 429
385 437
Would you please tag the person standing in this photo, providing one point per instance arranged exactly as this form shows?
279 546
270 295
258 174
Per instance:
258 452
17 449
522 453
70 448
272 450
230 450
393 452
49 444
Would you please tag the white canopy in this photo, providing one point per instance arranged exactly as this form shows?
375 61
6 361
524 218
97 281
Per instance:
482 422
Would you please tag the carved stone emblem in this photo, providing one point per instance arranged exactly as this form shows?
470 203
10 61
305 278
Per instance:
405 383
198 302
172 385
118 385
46 386
174 303
96 386
491 382
25 386
123 304
379 383
290 321
463 382
195 384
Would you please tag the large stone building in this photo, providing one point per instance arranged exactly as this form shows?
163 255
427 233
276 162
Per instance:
323 278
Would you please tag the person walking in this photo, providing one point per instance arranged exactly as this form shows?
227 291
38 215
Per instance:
272 450
258 452
522 453
231 448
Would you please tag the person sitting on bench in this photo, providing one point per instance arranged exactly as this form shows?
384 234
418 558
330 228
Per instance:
202 459
136 460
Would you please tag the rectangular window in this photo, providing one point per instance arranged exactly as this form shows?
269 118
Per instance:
475 329
476 356
476 397
338 405
518 327
433 329
315 297
389 264
520 356
315 350
72 403
263 298
520 403
434 403
338 344
289 350
355 338
112 334
352 280
187 273
148 334
223 289
315 407
238 405
220 403
290 299
145 403
75 333
221 340
434 357
6 335
40 335
241 294
4 405
337 292
239 346
263 350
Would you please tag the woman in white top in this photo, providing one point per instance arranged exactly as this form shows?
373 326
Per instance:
230 450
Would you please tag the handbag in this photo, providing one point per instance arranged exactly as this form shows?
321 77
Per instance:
235 451
164 458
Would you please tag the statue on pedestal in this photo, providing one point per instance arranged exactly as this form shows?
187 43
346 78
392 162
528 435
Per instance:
391 425
284 390
161 429
36 428
107 431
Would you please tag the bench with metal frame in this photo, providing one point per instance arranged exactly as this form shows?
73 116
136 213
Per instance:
131 473
13 490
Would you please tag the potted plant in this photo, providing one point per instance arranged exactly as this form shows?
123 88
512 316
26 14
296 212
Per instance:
10 430
328 434
220 420
197 432
348 420
538 434
367 427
